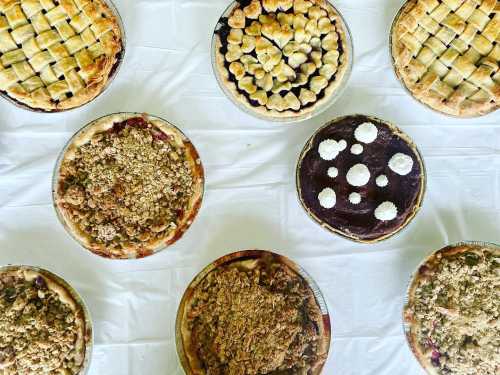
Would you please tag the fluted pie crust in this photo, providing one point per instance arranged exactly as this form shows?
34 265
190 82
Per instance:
57 55
260 14
447 54
156 236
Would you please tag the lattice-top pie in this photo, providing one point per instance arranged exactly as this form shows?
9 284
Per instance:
446 53
128 185
57 54
282 59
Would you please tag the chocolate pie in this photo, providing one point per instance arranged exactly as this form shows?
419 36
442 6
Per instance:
447 54
282 59
57 54
44 329
128 185
361 177
252 313
451 318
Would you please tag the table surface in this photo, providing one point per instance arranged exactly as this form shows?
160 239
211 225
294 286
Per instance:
250 200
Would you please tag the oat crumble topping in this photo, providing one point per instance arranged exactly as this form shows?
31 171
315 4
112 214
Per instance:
38 332
456 307
127 186
259 321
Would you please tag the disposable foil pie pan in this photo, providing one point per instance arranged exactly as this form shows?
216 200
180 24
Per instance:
247 108
239 256
55 181
412 280
89 331
338 232
401 81
112 76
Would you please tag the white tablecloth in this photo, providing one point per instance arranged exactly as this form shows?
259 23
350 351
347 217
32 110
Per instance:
250 200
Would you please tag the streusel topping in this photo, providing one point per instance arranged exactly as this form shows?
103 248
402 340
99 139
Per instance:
38 332
127 186
456 307
259 321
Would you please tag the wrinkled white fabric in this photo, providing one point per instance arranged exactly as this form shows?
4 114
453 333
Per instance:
250 200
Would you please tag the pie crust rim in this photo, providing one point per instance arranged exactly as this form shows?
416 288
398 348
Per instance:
430 261
69 295
332 92
188 358
90 92
423 181
151 247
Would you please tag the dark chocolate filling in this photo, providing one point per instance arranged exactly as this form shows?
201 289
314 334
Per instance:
223 29
359 220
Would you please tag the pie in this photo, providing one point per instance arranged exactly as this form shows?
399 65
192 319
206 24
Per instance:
128 185
57 55
252 313
361 177
282 59
43 327
453 309
447 55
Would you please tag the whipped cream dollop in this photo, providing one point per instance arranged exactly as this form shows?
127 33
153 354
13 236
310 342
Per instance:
333 172
327 198
382 181
355 198
401 164
358 175
357 149
366 133
386 211
330 148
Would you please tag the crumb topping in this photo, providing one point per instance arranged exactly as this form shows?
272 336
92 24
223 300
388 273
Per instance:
456 308
259 321
127 186
38 332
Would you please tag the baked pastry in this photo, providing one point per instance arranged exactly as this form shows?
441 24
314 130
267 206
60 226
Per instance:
451 318
252 313
57 54
128 185
447 54
282 59
44 328
361 177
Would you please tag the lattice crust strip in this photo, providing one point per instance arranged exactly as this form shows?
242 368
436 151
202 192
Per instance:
447 53
56 54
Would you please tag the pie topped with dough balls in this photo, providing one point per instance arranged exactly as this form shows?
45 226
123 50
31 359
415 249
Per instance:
282 59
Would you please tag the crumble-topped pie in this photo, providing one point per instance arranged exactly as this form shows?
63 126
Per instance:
361 177
252 313
44 329
128 185
282 59
446 53
56 55
451 318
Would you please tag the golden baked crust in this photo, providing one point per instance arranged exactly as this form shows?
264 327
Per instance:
56 55
262 291
452 312
43 329
447 54
279 101
128 185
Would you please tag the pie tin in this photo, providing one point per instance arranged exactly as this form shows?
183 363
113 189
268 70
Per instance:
323 224
316 111
245 255
406 300
89 331
402 83
55 181
112 76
